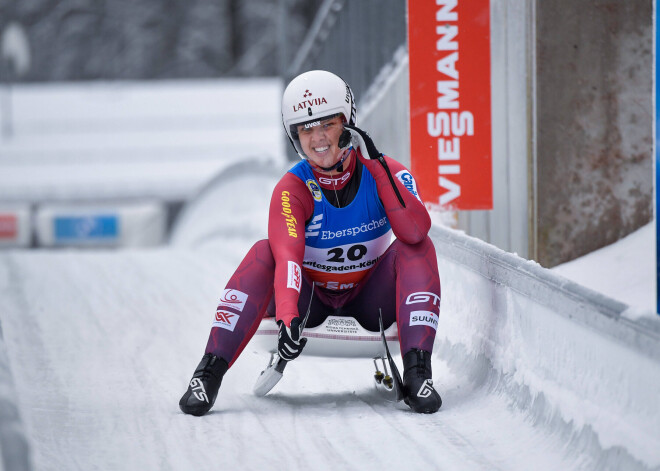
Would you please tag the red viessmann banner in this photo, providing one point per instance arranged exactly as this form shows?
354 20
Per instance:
450 116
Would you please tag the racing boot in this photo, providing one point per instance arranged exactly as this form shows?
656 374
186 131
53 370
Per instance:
418 383
204 385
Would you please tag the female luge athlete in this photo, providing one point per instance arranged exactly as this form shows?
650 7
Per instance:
329 230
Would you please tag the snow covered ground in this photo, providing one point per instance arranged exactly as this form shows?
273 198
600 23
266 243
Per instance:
624 271
102 344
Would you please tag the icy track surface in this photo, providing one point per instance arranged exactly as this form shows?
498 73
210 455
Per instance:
102 346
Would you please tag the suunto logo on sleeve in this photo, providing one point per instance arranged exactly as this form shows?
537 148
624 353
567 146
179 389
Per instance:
289 219
424 318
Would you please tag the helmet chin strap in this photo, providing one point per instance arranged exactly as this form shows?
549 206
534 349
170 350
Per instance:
338 164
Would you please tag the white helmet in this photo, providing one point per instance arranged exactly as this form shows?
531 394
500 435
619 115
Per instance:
313 96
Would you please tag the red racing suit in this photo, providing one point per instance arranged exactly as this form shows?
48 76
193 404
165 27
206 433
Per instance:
353 279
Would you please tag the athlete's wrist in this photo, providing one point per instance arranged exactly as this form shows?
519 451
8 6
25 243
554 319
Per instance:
286 317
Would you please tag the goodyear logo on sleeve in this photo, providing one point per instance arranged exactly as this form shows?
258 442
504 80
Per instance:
289 218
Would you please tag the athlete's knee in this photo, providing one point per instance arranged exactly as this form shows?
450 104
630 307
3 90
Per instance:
425 246
261 252
262 247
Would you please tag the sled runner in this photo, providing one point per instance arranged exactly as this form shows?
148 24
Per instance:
336 337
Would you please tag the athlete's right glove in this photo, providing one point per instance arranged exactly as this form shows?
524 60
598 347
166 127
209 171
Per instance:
369 151
290 343
365 142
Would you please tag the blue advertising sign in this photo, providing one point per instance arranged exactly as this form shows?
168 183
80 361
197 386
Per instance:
92 228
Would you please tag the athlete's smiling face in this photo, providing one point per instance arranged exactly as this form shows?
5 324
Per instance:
320 141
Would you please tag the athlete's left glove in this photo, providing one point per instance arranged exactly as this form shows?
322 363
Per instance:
290 342
365 142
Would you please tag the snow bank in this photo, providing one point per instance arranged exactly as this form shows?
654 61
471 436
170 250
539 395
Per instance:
232 205
625 270
558 351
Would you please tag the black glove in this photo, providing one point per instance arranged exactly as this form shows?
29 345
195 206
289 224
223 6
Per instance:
369 151
289 341
364 142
